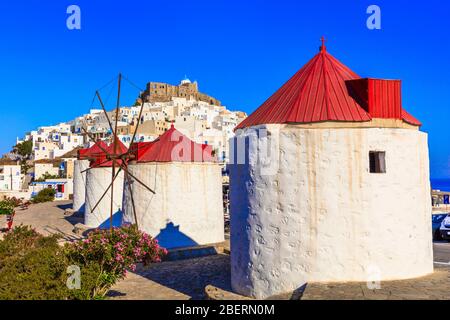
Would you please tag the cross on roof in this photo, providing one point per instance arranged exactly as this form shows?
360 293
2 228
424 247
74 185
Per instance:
323 48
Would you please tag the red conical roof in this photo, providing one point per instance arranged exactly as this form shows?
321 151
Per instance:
81 154
94 152
120 149
97 148
137 149
319 91
173 146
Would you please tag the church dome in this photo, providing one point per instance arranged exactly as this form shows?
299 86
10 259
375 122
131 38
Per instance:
185 81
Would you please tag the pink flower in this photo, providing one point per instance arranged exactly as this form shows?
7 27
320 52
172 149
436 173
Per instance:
119 257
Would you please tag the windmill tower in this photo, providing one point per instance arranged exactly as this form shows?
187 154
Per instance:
336 183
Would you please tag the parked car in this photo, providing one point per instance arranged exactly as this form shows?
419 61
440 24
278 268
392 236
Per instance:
436 224
445 228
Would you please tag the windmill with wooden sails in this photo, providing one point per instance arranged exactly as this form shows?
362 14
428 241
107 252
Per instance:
108 169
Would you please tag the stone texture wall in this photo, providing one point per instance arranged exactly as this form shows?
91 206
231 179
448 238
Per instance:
318 214
186 208
163 92
97 181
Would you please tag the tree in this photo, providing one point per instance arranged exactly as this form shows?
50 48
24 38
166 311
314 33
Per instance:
24 149
24 166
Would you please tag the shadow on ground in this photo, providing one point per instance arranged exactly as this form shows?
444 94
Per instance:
65 206
115 293
75 218
292 295
171 237
190 276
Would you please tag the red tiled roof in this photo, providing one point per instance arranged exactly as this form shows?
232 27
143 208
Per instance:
173 146
319 91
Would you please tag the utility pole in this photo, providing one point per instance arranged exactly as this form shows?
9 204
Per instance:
11 176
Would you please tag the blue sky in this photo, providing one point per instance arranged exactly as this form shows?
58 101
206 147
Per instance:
238 51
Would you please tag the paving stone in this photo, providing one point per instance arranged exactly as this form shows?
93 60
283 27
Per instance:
434 286
182 279
49 218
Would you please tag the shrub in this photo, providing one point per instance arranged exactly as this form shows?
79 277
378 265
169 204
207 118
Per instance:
113 252
16 242
6 207
33 266
14 201
46 176
45 195
39 272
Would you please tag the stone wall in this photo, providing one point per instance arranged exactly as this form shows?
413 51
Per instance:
163 92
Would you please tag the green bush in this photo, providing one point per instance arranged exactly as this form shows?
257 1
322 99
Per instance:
6 207
46 176
33 266
14 201
45 195
37 274
17 242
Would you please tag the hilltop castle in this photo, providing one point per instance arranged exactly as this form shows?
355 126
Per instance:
164 92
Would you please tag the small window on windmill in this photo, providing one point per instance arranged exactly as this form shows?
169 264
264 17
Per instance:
377 161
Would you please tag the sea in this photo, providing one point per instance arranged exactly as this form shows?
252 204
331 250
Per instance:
440 184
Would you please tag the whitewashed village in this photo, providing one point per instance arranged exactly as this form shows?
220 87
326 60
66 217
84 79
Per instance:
311 196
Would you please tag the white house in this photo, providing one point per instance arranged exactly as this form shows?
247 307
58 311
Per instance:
10 176
43 167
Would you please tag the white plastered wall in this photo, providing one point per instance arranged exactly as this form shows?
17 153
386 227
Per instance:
319 215
189 195
79 185
97 181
